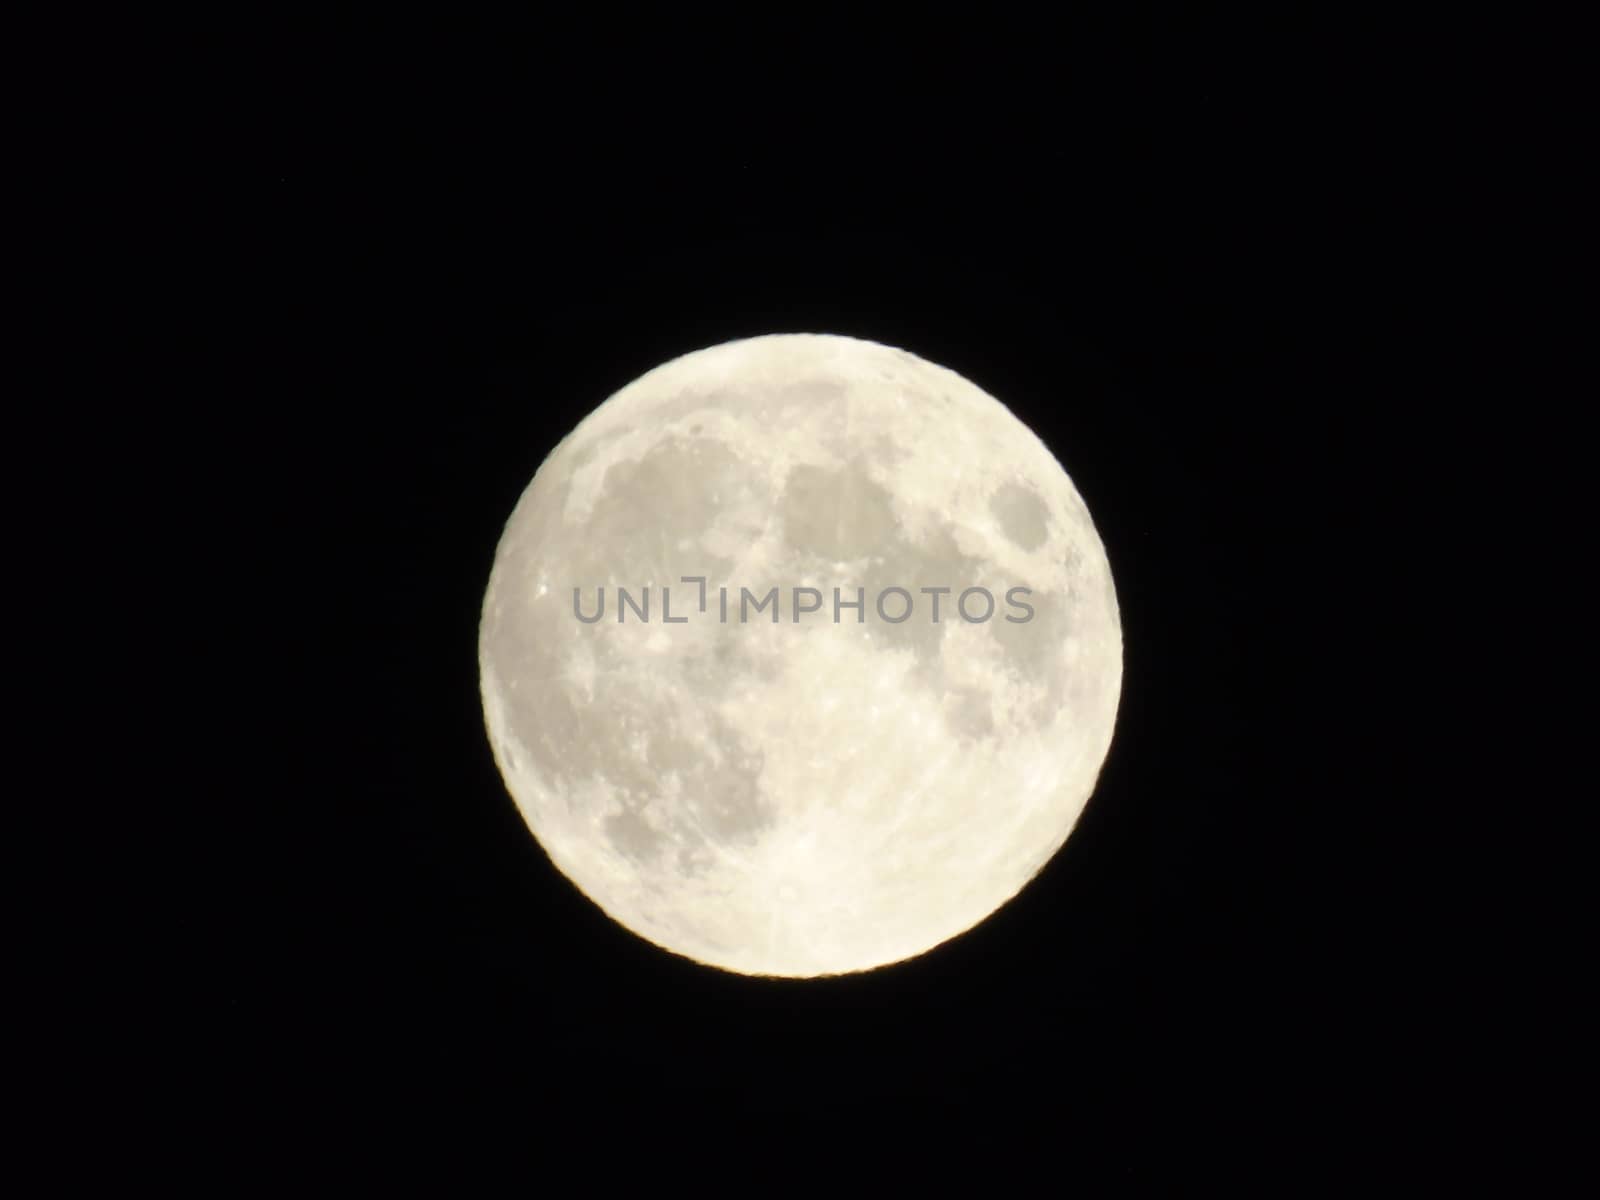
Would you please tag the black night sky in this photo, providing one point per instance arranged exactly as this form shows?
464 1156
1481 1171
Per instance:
1182 252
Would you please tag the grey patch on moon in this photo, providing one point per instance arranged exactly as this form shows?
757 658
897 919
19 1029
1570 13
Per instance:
933 561
1022 515
647 508
644 510
968 713
835 515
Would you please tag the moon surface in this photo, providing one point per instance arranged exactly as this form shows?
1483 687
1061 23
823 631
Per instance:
803 788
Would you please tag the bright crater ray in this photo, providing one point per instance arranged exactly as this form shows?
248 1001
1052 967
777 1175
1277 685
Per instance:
806 797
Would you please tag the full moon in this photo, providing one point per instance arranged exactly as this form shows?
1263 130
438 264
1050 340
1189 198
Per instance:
800 656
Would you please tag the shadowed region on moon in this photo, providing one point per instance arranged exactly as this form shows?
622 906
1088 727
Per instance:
800 796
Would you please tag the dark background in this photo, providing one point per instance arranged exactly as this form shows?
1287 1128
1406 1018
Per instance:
1189 253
